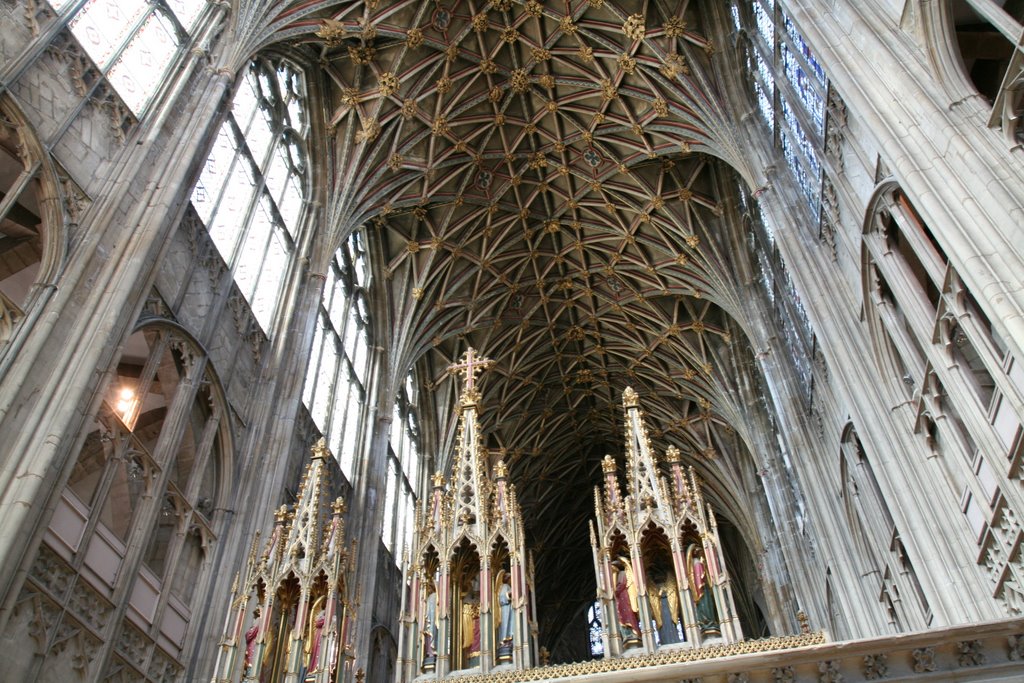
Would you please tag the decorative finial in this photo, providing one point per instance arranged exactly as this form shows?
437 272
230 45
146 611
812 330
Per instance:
470 366
501 470
608 465
281 516
338 506
672 455
805 626
630 398
438 479
320 450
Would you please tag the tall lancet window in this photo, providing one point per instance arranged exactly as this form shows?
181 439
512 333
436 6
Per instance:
133 42
251 191
790 89
335 389
403 472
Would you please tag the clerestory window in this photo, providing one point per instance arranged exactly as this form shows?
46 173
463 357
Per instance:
132 42
251 191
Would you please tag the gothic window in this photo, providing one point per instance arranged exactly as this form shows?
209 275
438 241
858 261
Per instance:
141 504
594 629
783 298
132 42
27 221
403 472
790 89
335 388
251 190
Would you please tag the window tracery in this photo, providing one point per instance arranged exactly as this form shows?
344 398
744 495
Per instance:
403 478
790 87
336 378
251 191
133 42
140 511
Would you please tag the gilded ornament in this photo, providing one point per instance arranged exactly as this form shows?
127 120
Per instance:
480 22
350 96
675 27
444 85
495 94
509 35
627 63
693 241
414 38
409 109
520 81
586 53
361 54
566 25
370 131
634 27
499 119
547 80
417 293
451 52
660 106
388 83
533 8
674 65
440 126
488 66
331 32
395 161
608 91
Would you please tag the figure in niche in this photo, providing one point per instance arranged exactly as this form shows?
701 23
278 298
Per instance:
700 588
314 635
503 593
664 600
470 624
251 636
430 628
626 603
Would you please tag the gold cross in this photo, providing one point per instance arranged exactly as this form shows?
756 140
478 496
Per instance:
469 367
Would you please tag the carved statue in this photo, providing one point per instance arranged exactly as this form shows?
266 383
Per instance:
503 615
700 590
430 628
251 636
314 635
626 605
664 601
470 625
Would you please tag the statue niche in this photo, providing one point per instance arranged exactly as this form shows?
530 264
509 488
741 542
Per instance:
661 580
468 598
297 593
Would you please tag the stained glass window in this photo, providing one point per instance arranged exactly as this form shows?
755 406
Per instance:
133 42
251 190
797 75
788 83
595 628
763 19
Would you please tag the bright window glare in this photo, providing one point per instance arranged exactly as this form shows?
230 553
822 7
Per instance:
102 25
149 53
132 41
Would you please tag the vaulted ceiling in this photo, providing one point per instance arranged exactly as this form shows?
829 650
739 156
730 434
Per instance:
550 183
